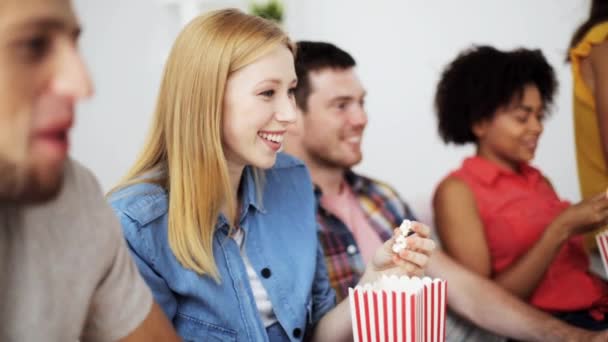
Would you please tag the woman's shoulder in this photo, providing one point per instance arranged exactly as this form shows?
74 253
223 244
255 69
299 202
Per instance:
140 202
285 161
457 183
289 167
452 186
596 35
288 179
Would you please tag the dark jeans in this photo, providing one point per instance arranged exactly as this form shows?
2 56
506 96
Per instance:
582 319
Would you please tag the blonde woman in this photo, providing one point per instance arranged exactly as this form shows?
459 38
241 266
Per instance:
230 250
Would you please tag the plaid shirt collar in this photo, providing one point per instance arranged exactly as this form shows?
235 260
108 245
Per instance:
358 184
384 210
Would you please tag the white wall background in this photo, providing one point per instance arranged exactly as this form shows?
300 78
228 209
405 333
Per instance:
400 46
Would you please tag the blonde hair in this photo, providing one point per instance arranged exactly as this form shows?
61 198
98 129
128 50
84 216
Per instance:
183 152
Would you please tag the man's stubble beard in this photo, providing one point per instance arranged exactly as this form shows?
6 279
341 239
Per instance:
324 160
22 185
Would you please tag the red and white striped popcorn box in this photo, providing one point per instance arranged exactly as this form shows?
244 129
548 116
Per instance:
399 309
602 245
435 301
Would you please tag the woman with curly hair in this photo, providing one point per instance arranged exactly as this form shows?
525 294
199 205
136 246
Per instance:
497 214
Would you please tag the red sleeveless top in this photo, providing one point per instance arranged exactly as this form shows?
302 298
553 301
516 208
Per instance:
515 209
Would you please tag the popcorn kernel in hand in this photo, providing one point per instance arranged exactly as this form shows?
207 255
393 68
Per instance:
405 230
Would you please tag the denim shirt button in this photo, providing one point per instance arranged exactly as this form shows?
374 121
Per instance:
351 249
297 332
266 272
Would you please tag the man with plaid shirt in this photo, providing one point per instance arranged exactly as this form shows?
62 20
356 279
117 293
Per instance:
356 214
384 210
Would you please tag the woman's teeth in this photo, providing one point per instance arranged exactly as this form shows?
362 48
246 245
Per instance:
277 138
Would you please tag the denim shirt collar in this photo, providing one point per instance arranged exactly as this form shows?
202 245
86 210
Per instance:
248 191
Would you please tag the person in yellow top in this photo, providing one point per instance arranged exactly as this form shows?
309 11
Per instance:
588 55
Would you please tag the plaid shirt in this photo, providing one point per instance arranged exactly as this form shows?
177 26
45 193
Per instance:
384 210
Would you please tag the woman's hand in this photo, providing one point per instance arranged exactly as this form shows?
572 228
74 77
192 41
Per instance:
411 261
585 215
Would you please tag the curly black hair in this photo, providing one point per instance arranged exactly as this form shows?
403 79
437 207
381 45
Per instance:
315 56
481 80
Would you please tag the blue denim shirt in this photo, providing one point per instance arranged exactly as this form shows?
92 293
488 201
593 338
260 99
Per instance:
280 241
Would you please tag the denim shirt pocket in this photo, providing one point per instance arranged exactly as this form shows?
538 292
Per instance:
195 330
